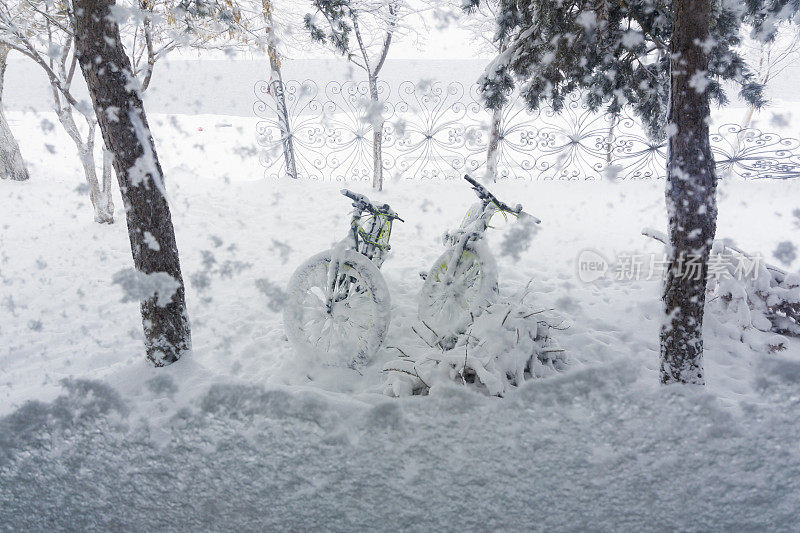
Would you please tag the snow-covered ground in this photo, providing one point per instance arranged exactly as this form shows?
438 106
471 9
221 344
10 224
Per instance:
244 434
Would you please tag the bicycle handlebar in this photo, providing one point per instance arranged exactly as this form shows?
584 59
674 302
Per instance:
362 202
484 194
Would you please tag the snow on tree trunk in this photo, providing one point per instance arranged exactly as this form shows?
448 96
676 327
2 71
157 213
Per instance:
493 152
99 194
763 77
376 118
108 172
12 166
123 123
690 196
748 117
610 138
276 89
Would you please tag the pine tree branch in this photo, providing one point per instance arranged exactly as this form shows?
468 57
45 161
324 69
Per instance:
645 28
340 42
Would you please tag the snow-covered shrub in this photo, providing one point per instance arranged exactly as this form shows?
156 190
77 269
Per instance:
506 345
767 300
747 295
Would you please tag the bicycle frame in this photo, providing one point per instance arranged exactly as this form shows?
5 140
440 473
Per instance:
474 225
472 229
371 241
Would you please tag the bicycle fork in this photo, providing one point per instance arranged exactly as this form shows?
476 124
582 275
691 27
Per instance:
455 257
336 283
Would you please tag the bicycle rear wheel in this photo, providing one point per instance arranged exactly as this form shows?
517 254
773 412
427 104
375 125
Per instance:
355 326
448 308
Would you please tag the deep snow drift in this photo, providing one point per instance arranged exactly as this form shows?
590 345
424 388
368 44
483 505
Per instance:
243 433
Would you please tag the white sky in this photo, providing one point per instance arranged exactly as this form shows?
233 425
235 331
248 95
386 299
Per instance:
450 42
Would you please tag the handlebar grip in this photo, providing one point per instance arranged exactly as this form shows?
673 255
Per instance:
483 192
352 195
366 204
476 185
536 220
471 180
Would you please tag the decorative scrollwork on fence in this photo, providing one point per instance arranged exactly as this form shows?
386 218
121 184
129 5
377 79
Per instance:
440 131
307 129
431 124
751 153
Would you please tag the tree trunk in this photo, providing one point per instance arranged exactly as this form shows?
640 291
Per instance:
740 136
108 171
690 197
763 78
12 166
376 118
493 152
276 90
126 133
100 195
748 117
610 138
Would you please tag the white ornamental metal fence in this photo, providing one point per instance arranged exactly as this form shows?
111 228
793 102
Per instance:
440 131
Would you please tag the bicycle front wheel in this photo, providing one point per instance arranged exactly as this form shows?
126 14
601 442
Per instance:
354 326
448 305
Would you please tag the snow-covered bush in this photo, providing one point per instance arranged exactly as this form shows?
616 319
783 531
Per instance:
748 297
506 345
767 299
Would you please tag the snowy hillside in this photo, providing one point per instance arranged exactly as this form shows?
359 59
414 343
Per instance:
244 434
226 87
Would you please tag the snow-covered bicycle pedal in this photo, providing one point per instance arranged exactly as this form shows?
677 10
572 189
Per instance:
463 281
339 306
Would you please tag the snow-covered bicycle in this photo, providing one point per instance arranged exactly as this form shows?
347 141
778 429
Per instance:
463 281
338 302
